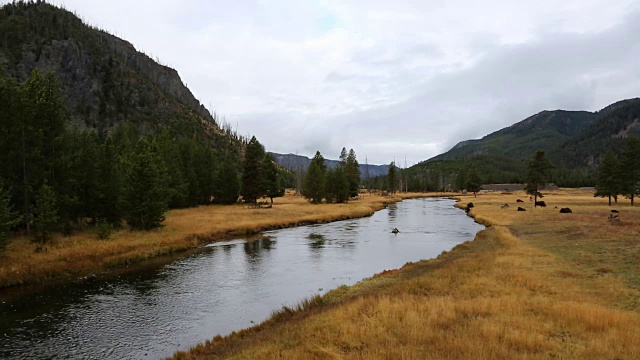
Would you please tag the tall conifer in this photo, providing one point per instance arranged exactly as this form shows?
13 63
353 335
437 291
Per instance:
145 192
253 184
537 174
608 182
630 169
314 184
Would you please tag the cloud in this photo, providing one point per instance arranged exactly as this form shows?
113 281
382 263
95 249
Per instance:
387 78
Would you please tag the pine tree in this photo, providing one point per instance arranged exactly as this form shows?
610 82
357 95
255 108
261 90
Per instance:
88 175
227 184
337 185
177 185
45 214
38 138
608 181
189 164
630 169
391 178
205 170
8 218
272 180
352 171
343 156
70 189
537 174
253 172
473 183
461 180
10 109
314 183
110 187
145 195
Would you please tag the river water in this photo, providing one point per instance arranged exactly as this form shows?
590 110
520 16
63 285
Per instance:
157 310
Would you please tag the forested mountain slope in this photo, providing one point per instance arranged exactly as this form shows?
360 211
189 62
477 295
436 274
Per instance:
94 132
105 80
544 130
614 123
575 141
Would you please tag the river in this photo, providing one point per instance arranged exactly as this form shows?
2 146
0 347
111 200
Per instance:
156 310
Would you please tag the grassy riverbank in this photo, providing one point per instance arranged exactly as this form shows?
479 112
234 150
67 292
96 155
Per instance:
534 285
81 254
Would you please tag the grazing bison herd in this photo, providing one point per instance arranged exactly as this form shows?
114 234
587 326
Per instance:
537 203
613 217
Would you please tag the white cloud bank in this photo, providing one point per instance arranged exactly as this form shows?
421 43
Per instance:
391 79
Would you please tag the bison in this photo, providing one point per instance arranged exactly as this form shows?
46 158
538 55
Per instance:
541 203
565 211
521 209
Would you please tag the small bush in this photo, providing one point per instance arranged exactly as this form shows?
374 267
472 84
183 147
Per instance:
104 230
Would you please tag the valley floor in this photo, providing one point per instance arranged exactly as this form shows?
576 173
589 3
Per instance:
82 254
533 285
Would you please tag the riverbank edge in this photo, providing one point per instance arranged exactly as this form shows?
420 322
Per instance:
337 297
189 242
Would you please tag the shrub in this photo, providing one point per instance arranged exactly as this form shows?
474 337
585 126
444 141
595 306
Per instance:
104 230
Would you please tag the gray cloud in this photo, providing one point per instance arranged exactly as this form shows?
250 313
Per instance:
389 79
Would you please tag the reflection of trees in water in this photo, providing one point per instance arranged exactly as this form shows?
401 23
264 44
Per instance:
251 248
316 241
227 248
393 208
255 247
254 250
352 226
267 243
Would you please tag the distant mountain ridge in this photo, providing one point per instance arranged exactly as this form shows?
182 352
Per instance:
293 162
547 129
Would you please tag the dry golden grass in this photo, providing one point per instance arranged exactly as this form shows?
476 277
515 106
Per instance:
82 253
533 285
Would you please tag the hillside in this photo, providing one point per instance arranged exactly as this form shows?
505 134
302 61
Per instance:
545 130
575 141
106 81
615 123
295 163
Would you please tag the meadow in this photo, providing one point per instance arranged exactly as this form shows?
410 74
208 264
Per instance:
533 285
67 258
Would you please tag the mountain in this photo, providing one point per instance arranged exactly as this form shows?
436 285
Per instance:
545 130
574 141
614 124
105 79
294 163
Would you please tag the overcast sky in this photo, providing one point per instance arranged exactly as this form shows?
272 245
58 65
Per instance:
391 79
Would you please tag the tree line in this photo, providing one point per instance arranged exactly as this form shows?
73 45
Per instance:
617 175
332 185
54 177
620 175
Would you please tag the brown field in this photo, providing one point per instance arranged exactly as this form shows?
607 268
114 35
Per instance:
533 285
81 254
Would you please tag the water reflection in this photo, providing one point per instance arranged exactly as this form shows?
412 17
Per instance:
316 241
392 209
156 311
